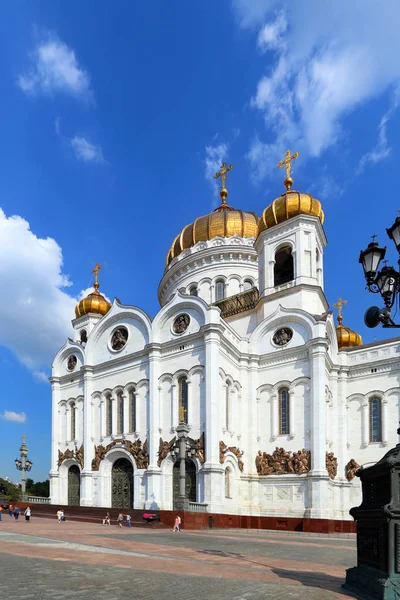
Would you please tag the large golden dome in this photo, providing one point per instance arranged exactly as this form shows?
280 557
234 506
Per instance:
95 302
346 337
289 205
224 221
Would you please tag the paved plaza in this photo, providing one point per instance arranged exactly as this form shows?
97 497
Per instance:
69 561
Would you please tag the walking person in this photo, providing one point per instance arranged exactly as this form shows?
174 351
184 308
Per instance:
120 519
27 513
128 520
16 512
107 520
179 522
176 524
10 511
59 515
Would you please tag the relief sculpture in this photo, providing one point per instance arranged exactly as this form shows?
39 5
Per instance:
281 462
76 454
223 449
165 448
331 464
351 469
68 454
138 452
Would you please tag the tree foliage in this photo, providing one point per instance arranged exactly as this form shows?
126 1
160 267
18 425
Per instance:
9 490
38 488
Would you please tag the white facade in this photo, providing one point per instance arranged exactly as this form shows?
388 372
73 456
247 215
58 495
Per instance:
235 374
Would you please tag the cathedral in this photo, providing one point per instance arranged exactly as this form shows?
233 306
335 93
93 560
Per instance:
281 405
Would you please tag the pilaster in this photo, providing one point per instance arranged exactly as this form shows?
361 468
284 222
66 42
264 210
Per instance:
153 488
55 436
86 474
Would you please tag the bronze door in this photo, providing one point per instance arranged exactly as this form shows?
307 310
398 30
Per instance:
74 486
190 483
122 484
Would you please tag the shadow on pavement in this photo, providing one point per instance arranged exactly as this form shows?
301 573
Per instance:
313 579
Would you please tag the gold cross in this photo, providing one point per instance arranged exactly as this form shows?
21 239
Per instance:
222 173
95 272
339 305
287 163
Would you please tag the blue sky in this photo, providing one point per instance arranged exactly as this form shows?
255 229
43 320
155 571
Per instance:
116 116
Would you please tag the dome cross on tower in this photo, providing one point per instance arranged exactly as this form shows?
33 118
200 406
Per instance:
222 174
339 305
95 272
287 163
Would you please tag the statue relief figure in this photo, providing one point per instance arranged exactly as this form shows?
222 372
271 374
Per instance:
351 468
331 464
79 456
181 323
119 338
282 336
282 462
71 363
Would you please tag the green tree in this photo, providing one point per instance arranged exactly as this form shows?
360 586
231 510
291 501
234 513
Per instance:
9 490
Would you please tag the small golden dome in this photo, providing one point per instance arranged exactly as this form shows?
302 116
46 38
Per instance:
289 205
94 302
346 337
224 221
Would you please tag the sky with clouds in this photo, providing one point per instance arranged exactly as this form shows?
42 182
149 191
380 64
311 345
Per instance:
115 119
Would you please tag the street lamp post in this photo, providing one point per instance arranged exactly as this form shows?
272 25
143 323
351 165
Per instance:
386 281
24 464
180 450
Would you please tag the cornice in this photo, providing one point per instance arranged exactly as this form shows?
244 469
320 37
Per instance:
294 289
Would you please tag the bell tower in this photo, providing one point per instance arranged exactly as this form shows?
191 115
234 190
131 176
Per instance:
290 245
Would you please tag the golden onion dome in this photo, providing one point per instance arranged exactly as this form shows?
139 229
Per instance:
224 221
95 302
289 205
346 337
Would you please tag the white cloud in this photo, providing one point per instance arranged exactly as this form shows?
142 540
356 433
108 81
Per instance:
86 151
9 415
55 69
215 156
323 66
382 149
35 310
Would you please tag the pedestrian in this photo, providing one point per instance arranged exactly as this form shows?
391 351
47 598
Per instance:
107 520
176 524
128 520
179 523
27 513
120 519
1 510
16 512
10 510
62 516
59 515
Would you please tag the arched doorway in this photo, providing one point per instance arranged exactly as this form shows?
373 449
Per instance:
74 486
190 486
122 484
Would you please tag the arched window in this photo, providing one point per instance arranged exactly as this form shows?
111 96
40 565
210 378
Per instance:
108 415
227 407
248 284
283 400
120 413
228 483
283 268
219 290
375 420
183 399
193 290
83 336
73 421
132 411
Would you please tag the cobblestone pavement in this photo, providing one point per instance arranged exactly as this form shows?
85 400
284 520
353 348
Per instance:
72 561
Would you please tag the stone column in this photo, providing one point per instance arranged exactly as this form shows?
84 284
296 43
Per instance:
384 422
212 468
318 477
86 474
341 434
103 418
55 438
365 423
153 491
292 414
274 416
174 407
126 413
